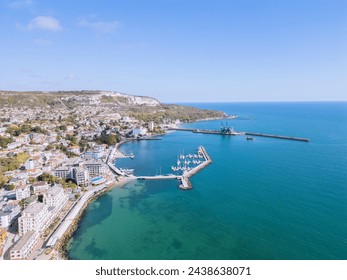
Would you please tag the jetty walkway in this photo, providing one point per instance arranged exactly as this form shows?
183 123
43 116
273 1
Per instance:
235 133
278 136
157 177
114 154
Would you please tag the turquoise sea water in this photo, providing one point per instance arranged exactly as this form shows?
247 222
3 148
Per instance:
261 199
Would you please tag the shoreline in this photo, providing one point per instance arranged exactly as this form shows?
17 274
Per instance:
61 246
231 117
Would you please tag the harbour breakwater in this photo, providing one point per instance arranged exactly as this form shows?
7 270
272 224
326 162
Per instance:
235 133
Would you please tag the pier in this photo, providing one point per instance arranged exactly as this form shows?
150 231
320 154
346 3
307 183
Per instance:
236 133
158 177
114 154
208 131
278 136
181 129
186 185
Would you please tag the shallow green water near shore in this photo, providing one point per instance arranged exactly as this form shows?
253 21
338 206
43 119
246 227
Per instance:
262 199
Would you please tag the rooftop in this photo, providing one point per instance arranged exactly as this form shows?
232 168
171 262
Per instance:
34 208
39 184
22 187
25 238
54 190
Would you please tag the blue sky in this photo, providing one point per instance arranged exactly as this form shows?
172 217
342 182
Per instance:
178 50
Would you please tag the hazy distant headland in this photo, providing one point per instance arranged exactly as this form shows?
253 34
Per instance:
140 107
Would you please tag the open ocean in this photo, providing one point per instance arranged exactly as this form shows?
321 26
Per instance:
262 199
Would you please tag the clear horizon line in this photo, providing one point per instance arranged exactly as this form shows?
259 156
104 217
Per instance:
255 101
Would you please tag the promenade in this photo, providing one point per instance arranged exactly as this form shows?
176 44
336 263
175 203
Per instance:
72 215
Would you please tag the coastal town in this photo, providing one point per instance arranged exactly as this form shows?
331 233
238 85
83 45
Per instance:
54 159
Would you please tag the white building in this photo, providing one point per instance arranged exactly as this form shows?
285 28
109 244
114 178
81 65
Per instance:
29 164
32 173
126 119
13 145
33 218
46 169
95 154
63 172
18 180
139 131
81 176
40 187
74 149
37 137
22 139
4 219
24 246
151 126
55 198
95 168
8 214
22 191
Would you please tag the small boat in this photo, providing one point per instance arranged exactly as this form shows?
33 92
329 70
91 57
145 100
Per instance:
249 138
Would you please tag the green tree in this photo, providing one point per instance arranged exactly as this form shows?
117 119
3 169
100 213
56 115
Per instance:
21 203
49 147
62 127
32 180
48 178
25 128
72 185
3 181
72 139
4 141
111 139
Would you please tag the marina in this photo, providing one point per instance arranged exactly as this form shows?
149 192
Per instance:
187 172
249 193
